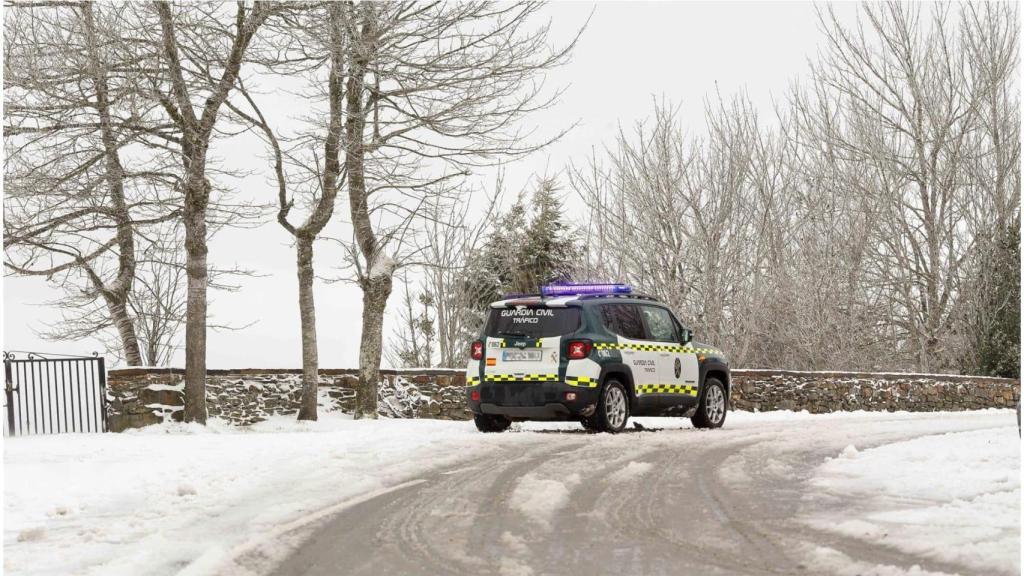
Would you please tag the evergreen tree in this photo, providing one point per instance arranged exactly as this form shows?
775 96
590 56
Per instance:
994 322
529 245
550 246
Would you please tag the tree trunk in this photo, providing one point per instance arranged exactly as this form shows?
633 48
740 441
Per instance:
376 285
321 214
195 315
126 332
307 313
153 353
116 303
376 290
195 142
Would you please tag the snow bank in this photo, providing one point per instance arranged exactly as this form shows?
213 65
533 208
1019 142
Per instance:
840 564
952 497
156 500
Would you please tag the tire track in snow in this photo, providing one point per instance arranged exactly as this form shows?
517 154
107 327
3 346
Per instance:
710 502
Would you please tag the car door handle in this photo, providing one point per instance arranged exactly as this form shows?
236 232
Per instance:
627 351
665 354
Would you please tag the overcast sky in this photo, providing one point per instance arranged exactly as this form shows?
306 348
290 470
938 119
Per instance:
629 54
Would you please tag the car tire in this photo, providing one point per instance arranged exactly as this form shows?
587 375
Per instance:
613 408
491 422
713 405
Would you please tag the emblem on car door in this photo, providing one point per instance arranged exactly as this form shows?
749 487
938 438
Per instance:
679 367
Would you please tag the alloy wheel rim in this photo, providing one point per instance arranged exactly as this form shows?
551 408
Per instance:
615 407
715 404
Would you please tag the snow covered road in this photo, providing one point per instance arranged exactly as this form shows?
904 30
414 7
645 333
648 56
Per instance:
680 501
861 493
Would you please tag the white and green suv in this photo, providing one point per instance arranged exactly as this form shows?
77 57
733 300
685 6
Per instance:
596 353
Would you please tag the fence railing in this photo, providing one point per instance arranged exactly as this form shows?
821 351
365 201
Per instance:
54 394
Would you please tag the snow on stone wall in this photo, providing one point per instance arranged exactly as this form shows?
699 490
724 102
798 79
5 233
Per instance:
141 396
138 397
819 392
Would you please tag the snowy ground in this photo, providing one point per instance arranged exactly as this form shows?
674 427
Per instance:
953 497
172 499
158 500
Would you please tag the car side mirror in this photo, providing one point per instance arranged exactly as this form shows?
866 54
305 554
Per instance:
687 335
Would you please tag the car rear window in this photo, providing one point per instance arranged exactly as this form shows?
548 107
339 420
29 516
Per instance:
624 320
536 322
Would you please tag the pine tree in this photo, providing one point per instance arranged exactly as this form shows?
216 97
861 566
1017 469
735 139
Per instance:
994 324
529 245
550 246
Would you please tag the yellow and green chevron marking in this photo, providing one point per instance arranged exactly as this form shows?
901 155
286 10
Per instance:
581 381
520 377
578 381
655 348
666 389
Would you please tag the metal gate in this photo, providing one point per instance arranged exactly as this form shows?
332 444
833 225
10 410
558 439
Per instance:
53 394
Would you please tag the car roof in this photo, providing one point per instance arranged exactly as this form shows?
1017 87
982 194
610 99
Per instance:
572 300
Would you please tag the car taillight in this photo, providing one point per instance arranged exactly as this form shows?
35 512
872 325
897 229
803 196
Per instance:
476 350
474 395
579 349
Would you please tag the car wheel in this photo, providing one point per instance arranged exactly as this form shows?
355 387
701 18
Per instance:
613 409
713 405
491 422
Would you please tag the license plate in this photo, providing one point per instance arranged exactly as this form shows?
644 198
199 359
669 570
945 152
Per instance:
521 355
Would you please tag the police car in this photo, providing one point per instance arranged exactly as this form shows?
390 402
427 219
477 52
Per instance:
596 353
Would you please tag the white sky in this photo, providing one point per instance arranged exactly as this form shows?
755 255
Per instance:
630 54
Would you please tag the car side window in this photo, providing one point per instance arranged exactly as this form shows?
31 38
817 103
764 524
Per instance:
624 320
678 327
659 324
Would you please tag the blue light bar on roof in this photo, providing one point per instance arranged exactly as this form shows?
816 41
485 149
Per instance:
578 289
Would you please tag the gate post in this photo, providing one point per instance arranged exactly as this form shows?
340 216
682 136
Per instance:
9 395
103 394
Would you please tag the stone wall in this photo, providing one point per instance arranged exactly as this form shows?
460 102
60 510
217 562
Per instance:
818 392
142 396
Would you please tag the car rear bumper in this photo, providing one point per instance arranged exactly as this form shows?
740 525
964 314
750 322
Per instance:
533 400
546 412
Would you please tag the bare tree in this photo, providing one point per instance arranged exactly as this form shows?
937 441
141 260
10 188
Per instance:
158 297
192 90
84 173
438 86
324 176
910 106
811 311
414 111
988 303
453 237
673 216
412 344
853 232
